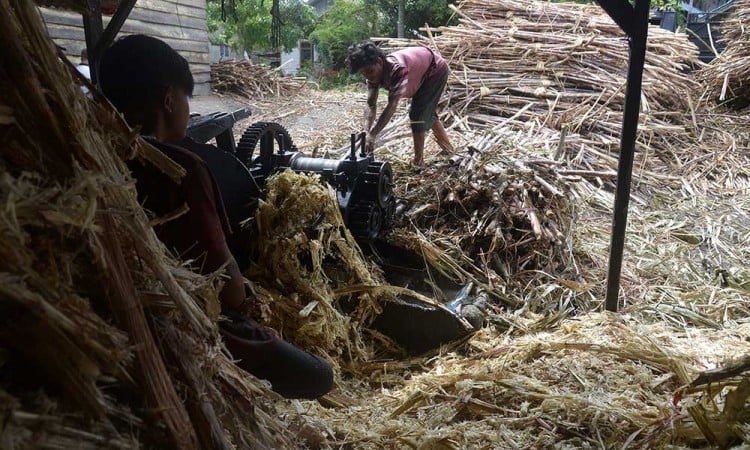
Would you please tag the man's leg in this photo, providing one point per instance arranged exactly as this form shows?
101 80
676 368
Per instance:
442 137
418 148
423 117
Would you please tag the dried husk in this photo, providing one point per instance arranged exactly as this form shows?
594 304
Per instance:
251 81
726 77
106 341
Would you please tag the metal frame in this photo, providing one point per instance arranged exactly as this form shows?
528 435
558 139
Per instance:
633 20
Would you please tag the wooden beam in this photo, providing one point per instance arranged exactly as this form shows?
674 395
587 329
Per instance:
621 12
93 29
113 27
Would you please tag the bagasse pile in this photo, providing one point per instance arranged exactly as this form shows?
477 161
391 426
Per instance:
306 257
726 77
122 341
537 90
488 217
252 81
540 376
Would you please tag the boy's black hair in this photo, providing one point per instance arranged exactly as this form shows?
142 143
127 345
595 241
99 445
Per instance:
135 73
362 55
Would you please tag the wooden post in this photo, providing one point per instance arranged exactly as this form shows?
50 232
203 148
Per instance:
97 38
93 29
113 27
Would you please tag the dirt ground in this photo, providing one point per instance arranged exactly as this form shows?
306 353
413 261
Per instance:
316 120
591 374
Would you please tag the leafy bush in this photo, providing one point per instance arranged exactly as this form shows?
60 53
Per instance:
338 79
345 23
248 23
329 79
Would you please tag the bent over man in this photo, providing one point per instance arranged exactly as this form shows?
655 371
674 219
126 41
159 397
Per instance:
417 73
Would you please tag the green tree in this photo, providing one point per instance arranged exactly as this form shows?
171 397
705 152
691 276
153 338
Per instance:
297 22
345 23
417 13
247 24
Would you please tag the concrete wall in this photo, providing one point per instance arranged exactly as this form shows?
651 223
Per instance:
290 62
220 52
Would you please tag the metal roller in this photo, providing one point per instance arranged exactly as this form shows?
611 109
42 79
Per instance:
364 187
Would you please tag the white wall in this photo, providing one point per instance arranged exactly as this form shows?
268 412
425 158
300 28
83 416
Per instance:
290 62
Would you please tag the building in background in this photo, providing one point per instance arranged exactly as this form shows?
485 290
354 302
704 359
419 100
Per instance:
180 23
304 53
221 51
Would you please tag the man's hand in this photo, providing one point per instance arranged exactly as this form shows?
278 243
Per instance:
370 143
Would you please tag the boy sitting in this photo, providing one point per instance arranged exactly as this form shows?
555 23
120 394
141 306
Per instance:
149 83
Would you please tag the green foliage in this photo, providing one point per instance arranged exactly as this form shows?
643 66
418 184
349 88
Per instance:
330 79
338 80
417 13
345 23
248 23
221 31
674 5
298 21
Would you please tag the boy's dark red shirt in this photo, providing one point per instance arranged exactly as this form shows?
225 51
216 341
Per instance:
200 230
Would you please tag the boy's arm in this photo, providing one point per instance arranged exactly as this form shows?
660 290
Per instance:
198 189
372 107
385 116
399 80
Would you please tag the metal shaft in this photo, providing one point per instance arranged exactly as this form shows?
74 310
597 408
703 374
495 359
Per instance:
637 40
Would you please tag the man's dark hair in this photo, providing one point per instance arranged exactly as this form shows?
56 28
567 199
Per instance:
135 73
362 55
84 54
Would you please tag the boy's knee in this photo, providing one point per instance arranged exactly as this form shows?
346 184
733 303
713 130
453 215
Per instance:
321 379
312 381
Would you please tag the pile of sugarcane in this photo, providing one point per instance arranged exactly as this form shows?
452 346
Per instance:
105 341
250 80
526 60
562 67
727 78
488 214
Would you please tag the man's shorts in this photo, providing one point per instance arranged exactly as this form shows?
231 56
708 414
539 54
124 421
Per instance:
424 103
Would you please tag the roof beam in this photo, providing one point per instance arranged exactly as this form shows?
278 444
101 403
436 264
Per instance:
97 37
114 26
